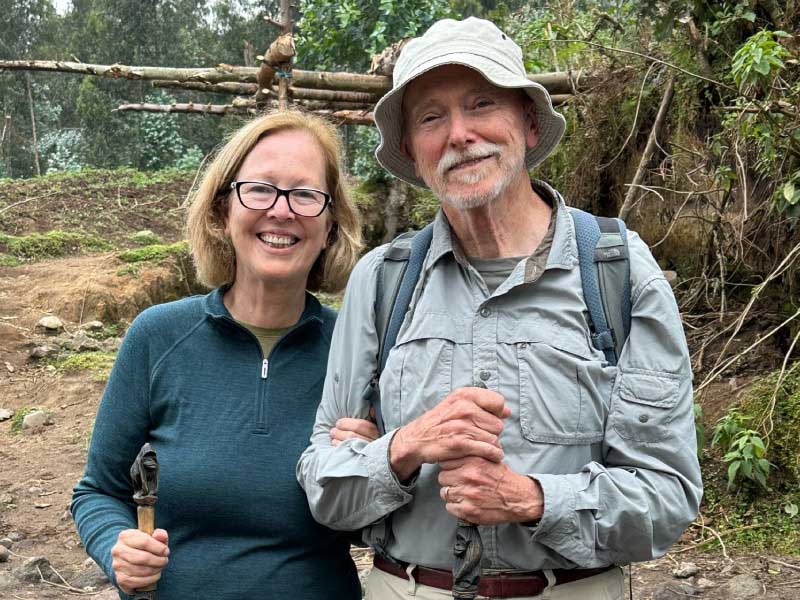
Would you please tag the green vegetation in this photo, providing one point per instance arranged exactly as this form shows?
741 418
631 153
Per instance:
19 416
131 270
37 246
97 361
145 238
769 524
155 252
776 414
761 436
756 492
9 261
112 330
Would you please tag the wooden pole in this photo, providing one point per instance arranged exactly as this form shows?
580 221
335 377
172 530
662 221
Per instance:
652 142
286 71
36 165
226 87
562 82
356 117
187 107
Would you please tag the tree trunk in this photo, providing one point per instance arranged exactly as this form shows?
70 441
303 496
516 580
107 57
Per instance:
36 165
652 140
398 193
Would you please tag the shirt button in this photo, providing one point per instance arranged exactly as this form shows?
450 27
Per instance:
485 375
486 311
643 418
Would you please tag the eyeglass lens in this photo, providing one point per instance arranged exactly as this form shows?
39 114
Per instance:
261 196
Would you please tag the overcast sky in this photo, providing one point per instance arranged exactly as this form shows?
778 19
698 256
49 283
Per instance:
62 5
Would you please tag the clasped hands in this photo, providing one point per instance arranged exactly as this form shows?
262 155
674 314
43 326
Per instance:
461 435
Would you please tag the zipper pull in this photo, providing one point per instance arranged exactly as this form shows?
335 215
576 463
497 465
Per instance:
264 369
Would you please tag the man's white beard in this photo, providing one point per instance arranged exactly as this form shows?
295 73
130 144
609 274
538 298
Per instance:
509 167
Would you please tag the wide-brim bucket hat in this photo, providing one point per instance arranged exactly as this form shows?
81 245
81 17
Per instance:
474 43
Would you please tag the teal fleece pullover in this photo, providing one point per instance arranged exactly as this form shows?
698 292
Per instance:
228 427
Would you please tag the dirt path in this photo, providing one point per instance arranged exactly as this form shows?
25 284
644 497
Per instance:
38 469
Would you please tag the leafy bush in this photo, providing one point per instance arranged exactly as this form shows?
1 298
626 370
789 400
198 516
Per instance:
63 150
759 59
37 246
155 252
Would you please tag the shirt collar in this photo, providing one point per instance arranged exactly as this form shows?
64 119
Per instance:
563 252
217 311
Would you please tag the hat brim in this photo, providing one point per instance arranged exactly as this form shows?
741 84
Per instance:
389 114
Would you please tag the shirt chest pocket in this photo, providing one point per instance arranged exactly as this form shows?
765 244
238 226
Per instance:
645 405
419 369
564 393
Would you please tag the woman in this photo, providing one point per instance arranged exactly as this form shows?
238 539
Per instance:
225 386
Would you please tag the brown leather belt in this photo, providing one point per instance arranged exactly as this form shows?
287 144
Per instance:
496 585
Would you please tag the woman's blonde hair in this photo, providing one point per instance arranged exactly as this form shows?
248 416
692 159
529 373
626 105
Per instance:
212 250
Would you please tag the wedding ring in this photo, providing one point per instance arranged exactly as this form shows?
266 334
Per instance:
447 493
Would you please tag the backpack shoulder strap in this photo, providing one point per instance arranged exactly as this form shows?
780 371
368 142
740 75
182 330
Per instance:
612 259
605 278
398 276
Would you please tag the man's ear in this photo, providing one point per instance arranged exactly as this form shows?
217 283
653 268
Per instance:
405 148
531 124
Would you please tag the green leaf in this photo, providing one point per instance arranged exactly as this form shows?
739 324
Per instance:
733 455
791 509
789 191
762 67
749 16
733 470
761 479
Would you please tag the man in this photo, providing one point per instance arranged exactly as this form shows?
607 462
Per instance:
498 409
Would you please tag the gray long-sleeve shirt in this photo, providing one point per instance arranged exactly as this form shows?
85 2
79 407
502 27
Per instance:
613 448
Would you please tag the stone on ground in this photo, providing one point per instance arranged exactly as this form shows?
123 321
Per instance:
35 420
30 571
6 414
743 586
50 324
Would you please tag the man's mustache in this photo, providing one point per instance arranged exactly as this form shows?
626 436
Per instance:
453 158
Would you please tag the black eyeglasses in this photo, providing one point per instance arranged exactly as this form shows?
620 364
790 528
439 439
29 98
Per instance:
260 195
